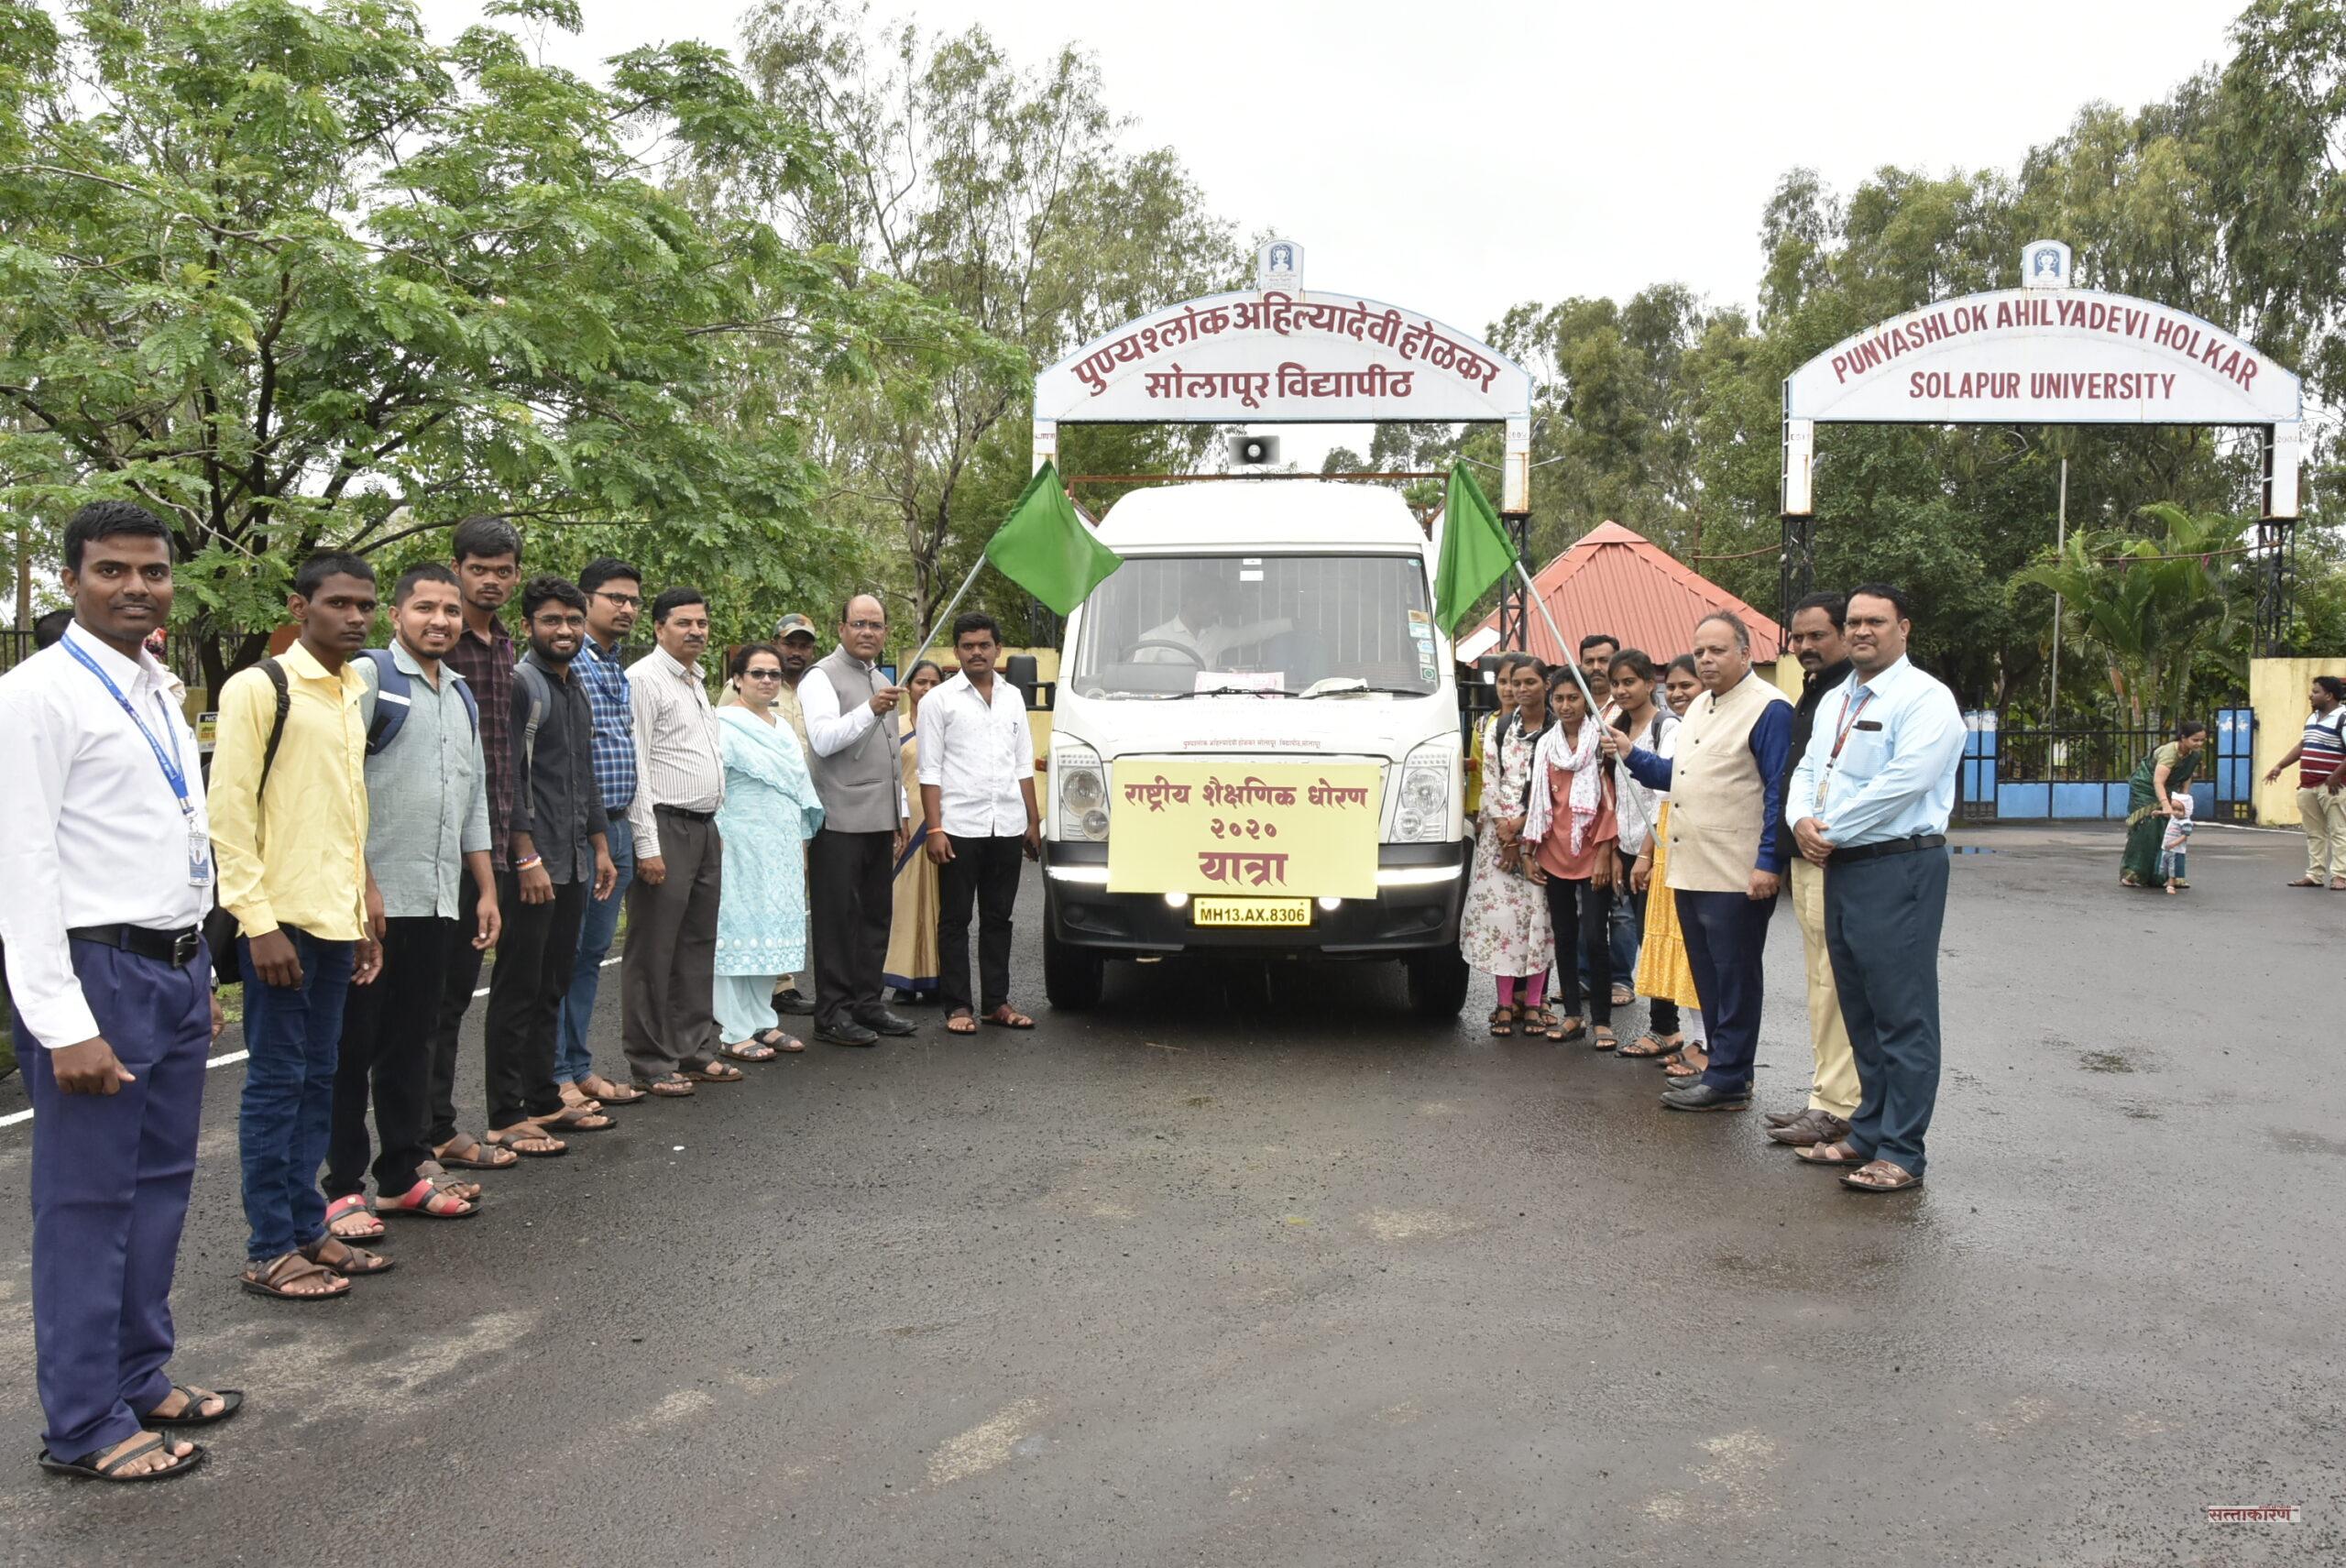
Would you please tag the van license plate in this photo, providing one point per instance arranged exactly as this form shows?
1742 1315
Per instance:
1250 910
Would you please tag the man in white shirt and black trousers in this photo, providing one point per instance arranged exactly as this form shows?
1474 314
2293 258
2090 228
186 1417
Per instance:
105 877
976 796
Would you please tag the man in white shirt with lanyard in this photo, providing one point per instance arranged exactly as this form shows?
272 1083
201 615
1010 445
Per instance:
977 798
1869 802
105 877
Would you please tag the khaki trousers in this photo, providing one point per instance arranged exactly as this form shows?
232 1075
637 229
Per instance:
1836 1086
2324 816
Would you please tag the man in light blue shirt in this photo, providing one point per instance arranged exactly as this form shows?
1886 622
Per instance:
1869 803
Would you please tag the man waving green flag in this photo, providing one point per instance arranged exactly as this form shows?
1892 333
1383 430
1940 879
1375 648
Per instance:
1475 551
1045 548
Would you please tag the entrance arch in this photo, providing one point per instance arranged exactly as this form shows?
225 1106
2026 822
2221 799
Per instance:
2048 353
1279 355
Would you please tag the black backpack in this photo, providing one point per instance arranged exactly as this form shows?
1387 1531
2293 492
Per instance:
220 929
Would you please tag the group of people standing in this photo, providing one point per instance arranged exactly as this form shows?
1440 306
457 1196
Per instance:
1636 828
375 823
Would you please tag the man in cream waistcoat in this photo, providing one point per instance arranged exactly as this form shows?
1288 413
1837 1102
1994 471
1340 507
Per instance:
1726 790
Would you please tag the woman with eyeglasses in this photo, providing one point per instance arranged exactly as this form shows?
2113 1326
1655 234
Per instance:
769 811
912 966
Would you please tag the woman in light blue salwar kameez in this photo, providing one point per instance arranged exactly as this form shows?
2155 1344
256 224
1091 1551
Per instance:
769 812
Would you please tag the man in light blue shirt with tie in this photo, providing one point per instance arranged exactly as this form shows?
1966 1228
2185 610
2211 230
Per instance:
1869 803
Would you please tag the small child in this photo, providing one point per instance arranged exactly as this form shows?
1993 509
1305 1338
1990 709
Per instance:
2176 840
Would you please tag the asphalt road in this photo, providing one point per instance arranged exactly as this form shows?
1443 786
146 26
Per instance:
1238 1271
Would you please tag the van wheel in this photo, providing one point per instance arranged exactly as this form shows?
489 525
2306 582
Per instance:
1438 982
1073 975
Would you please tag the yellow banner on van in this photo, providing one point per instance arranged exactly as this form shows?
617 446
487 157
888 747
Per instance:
1258 829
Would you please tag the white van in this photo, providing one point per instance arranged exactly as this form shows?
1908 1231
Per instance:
1281 633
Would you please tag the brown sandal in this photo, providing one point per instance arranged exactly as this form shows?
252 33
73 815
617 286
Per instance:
1502 1021
576 1119
714 1071
528 1139
353 1261
1687 1067
672 1086
608 1093
468 1153
1008 1018
278 1279
961 1023
1604 1038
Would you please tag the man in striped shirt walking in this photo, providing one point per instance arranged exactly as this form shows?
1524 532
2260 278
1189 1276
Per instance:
2320 759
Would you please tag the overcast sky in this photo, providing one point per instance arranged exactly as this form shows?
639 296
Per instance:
1459 158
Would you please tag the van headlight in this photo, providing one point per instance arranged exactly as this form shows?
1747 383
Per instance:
1423 814
1083 791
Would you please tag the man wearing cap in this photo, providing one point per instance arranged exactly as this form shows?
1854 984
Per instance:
794 635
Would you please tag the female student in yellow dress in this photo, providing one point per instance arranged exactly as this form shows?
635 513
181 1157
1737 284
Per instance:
912 966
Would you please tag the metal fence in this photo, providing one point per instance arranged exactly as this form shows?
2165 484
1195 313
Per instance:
2083 773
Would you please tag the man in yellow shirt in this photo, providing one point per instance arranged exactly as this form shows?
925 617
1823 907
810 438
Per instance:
289 831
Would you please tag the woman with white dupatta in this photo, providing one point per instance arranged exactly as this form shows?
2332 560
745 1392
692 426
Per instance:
1570 822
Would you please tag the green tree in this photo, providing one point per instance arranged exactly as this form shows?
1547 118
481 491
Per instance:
2151 608
1004 191
296 276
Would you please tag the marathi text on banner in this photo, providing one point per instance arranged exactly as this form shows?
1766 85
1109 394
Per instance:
1291 829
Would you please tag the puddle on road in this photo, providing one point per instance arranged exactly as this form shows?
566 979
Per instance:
2105 1061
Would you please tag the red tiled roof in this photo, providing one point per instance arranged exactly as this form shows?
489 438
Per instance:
1618 581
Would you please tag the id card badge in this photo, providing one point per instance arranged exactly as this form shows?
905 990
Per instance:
199 854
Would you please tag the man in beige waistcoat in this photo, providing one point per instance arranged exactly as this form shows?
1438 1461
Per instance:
1726 787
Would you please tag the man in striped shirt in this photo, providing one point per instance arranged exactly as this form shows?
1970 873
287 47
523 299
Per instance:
2320 759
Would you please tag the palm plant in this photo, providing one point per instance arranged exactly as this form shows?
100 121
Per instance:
2152 607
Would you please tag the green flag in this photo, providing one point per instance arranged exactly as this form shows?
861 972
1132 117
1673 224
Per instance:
1475 551
1045 548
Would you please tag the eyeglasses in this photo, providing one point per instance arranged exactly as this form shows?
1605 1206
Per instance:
867 626
625 601
761 675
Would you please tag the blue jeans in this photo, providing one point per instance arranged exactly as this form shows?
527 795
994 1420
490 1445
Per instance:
1628 926
292 1039
572 1058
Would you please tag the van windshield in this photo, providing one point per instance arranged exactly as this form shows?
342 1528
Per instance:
1187 625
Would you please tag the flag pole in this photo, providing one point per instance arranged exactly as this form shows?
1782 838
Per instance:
945 617
1531 592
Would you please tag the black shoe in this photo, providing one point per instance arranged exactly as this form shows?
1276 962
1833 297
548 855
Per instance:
887 1023
847 1032
793 1001
1703 1097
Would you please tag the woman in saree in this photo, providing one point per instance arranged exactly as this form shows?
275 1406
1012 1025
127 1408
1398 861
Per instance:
769 811
2165 771
911 968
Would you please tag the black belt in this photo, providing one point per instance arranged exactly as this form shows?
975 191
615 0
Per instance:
1894 847
614 813
688 815
174 948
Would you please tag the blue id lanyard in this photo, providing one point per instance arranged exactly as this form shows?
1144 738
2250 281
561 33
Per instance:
199 844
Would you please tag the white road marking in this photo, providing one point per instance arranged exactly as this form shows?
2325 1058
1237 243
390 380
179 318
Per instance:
13 1117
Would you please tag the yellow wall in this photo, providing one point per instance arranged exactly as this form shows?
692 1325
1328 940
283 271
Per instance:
1786 672
2276 690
